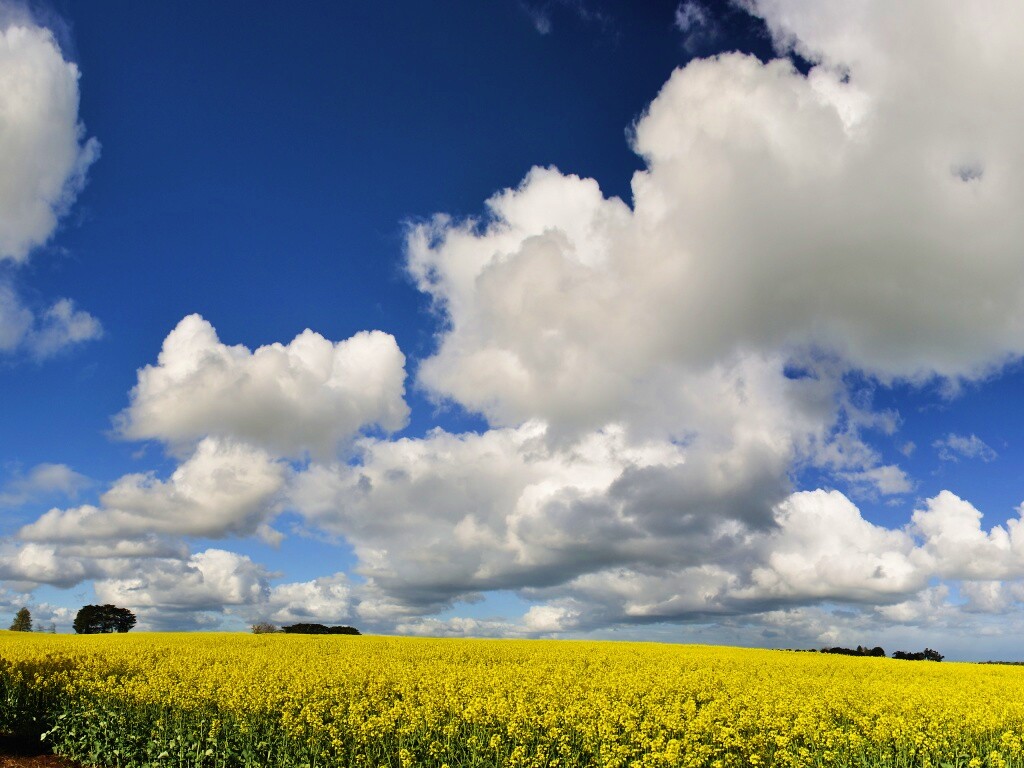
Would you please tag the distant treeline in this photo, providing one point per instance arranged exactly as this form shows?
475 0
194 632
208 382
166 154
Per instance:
926 655
319 629
860 650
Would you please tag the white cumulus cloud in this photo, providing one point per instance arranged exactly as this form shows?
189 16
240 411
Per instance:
442 518
325 600
307 396
956 546
207 581
825 548
787 229
779 213
43 153
224 488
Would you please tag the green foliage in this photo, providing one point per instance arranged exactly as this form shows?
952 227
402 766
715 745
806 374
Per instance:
860 650
319 629
926 655
98 619
22 621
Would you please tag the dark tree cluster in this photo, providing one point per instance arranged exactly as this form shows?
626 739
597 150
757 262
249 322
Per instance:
860 650
22 621
319 629
926 655
99 619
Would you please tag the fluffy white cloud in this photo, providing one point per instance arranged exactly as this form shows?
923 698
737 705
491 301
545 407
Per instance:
204 589
43 158
171 588
224 488
40 481
444 517
824 548
787 230
549 618
207 581
307 396
32 564
604 531
43 162
594 533
45 334
987 596
326 600
957 547
928 606
778 213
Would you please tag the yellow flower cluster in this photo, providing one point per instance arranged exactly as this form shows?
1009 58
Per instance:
286 700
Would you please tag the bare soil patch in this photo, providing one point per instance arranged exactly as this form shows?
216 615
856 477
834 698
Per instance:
29 752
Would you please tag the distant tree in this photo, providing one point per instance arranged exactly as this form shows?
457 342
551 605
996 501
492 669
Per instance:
343 630
99 619
860 650
305 629
263 628
319 629
841 651
926 655
22 621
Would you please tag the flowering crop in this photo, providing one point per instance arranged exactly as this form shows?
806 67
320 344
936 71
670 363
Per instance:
287 700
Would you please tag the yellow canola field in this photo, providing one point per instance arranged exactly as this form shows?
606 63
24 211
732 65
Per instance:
287 700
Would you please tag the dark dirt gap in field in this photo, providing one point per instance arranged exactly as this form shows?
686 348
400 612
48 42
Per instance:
29 752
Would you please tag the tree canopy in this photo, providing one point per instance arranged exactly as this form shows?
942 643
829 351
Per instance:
97 619
319 629
859 651
22 621
926 655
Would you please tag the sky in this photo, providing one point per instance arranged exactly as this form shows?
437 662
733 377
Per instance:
677 321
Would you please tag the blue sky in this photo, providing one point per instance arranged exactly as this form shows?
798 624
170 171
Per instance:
691 321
